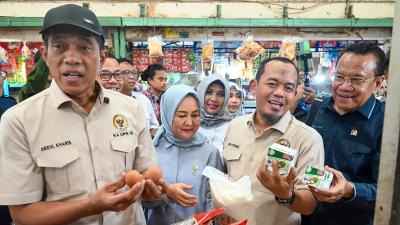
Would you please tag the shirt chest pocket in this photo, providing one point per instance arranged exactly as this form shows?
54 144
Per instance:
62 170
356 159
124 154
232 160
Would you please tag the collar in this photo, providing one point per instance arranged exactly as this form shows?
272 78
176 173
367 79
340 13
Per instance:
368 107
59 97
365 110
166 143
155 97
282 124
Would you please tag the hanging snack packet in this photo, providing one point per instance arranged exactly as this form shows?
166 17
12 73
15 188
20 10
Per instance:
285 156
207 50
288 48
249 50
155 46
318 178
3 56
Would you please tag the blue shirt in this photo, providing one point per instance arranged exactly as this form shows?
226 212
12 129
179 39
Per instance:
352 144
301 111
6 102
183 165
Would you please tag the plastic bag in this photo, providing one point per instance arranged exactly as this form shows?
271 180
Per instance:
155 46
234 196
26 52
203 218
3 56
249 50
207 50
288 48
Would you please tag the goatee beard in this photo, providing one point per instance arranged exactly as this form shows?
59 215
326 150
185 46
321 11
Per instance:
270 119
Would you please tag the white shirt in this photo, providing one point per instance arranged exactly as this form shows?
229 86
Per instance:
216 135
151 118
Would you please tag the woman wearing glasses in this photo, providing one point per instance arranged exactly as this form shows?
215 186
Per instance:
156 77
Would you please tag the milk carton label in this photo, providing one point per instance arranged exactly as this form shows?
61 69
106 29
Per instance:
318 178
285 156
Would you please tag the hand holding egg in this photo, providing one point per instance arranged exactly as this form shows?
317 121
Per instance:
153 173
132 177
154 184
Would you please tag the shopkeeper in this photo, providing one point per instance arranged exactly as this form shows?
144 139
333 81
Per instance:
63 150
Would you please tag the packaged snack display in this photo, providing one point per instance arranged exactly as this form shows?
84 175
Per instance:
288 48
285 156
249 50
3 56
155 46
234 196
318 178
207 50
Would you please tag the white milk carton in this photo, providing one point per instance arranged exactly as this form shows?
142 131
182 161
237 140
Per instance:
318 178
285 156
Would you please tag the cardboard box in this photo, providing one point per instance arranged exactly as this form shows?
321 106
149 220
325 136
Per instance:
285 156
318 178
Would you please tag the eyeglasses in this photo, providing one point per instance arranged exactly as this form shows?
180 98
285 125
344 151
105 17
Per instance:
129 72
354 80
106 75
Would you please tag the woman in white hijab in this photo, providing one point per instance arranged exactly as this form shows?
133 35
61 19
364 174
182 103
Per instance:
183 153
235 102
213 94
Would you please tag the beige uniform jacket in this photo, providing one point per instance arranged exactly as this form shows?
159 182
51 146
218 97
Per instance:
52 150
245 150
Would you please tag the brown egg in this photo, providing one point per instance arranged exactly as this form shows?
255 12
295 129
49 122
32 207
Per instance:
132 177
154 173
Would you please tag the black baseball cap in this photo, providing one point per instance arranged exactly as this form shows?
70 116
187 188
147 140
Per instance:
73 15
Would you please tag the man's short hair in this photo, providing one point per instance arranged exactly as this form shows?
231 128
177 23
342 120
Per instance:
365 48
122 60
261 67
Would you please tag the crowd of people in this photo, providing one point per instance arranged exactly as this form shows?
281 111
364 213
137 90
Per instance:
66 148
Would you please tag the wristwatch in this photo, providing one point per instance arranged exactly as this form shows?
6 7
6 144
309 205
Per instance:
286 202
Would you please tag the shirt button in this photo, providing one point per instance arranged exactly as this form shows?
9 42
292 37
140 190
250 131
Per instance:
99 178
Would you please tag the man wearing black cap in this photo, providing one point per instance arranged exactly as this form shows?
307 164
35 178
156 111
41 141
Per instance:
64 152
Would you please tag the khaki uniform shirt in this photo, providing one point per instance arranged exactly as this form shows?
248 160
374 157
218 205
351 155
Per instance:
52 150
245 150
